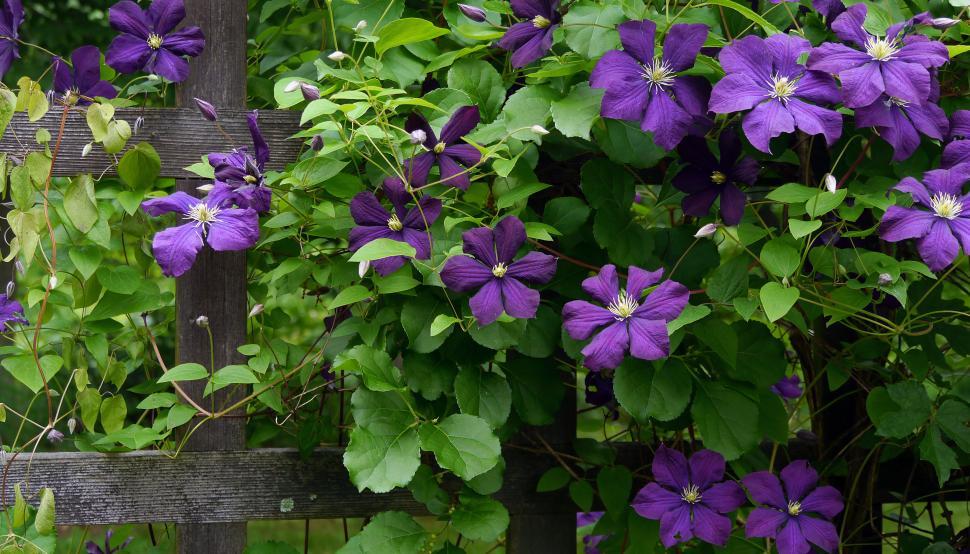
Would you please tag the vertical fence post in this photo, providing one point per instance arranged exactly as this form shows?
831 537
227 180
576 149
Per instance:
216 285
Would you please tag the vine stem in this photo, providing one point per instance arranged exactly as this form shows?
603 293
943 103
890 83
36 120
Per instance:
161 362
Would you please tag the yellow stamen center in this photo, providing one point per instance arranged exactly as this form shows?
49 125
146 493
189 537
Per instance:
718 178
250 179
203 214
155 41
947 206
691 494
881 49
499 270
623 306
439 148
659 74
782 88
394 224
794 507
540 22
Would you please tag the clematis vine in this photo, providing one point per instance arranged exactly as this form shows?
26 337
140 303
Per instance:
80 83
10 312
897 65
646 87
689 497
403 224
939 219
149 42
452 157
207 222
764 76
900 123
707 178
11 16
530 40
784 513
491 267
239 175
627 323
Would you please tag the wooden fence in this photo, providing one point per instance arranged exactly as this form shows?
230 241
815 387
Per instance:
216 485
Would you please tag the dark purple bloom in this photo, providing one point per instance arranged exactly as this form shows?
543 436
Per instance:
530 40
960 125
82 82
447 152
941 229
625 324
689 498
705 178
207 110
490 268
94 548
900 123
472 12
788 387
830 9
599 389
11 16
764 74
404 224
783 514
10 312
209 223
897 64
590 542
149 42
642 86
239 175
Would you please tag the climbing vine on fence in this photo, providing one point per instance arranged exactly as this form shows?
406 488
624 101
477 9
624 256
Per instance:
736 232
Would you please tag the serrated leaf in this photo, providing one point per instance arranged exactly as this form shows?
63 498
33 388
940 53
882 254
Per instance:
463 444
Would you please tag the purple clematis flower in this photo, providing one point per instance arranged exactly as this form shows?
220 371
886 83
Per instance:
705 178
490 268
784 513
959 125
221 228
447 152
943 228
646 87
11 16
896 64
404 224
689 497
530 40
788 388
94 548
957 151
148 41
830 9
79 84
900 123
10 312
590 542
239 175
764 74
625 324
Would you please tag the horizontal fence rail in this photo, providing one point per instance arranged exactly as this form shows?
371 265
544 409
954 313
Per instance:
180 136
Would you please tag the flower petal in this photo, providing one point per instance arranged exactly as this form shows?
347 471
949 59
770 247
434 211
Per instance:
693 93
615 66
423 215
947 181
862 85
535 268
765 488
746 171
363 234
534 48
833 57
178 202
955 153
791 540
626 99
938 247
900 223
386 266
699 204
480 242
417 122
785 51
604 286
711 527
452 174
461 123
748 56
486 305
818 87
768 120
168 65
667 121
581 319
653 501
236 229
638 280
850 26
706 468
921 50
419 240
798 477
166 14
416 169
176 248
87 67
682 44
127 17
638 39
664 303
906 81
519 300
724 497
670 468
466 154
517 35
764 522
189 41
675 526
367 210
732 204
509 237
608 348
649 339
463 274
826 501
736 92
532 8
961 229
819 532
815 120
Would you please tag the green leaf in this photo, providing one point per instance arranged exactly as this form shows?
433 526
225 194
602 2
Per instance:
773 417
80 204
122 279
179 415
113 413
553 479
86 259
483 394
777 300
406 31
157 400
582 494
567 214
119 131
483 84
574 114
647 393
442 323
690 315
846 302
31 99
90 402
519 194
184 372
537 390
729 280
780 258
375 366
934 450
233 375
614 485
382 248
349 295
427 375
591 28
44 520
824 202
427 490
792 193
388 533
526 107
898 409
727 417
760 356
800 228
416 318
747 13
953 418
624 143
480 518
8 104
24 369
140 166
318 107
463 444
383 452
98 117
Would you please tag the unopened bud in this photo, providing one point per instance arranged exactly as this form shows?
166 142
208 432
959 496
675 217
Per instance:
360 26
316 143
201 321
55 437
418 136
637 198
291 86
310 92
207 110
205 188
473 13
539 130
20 267
362 268
154 77
87 149
337 56
830 183
53 282
942 23
71 425
139 123
257 309
10 288
885 279
785 282
706 231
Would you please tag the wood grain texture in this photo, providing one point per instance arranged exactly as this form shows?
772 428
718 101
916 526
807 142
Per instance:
180 136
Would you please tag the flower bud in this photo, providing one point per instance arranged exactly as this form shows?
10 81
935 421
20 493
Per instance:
316 143
87 149
637 198
360 26
53 282
10 288
942 23
153 77
310 92
830 183
418 136
71 425
139 123
55 437
291 86
205 188
337 56
207 110
706 231
473 13
257 309
362 268
539 130
885 279
201 321
20 267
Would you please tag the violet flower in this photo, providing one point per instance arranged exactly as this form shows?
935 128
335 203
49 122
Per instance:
530 40
959 125
626 323
239 175
81 82
941 229
10 312
830 9
788 388
93 548
404 224
764 74
447 152
689 497
784 514
896 64
490 268
590 542
149 42
958 151
646 87
900 123
11 16
705 178
223 229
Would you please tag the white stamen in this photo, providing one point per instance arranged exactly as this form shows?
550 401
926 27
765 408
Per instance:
691 494
499 270
155 41
659 74
947 206
394 224
782 88
881 49
794 507
540 22
203 214
897 102
623 306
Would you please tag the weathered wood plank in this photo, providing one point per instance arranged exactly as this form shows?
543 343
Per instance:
180 136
